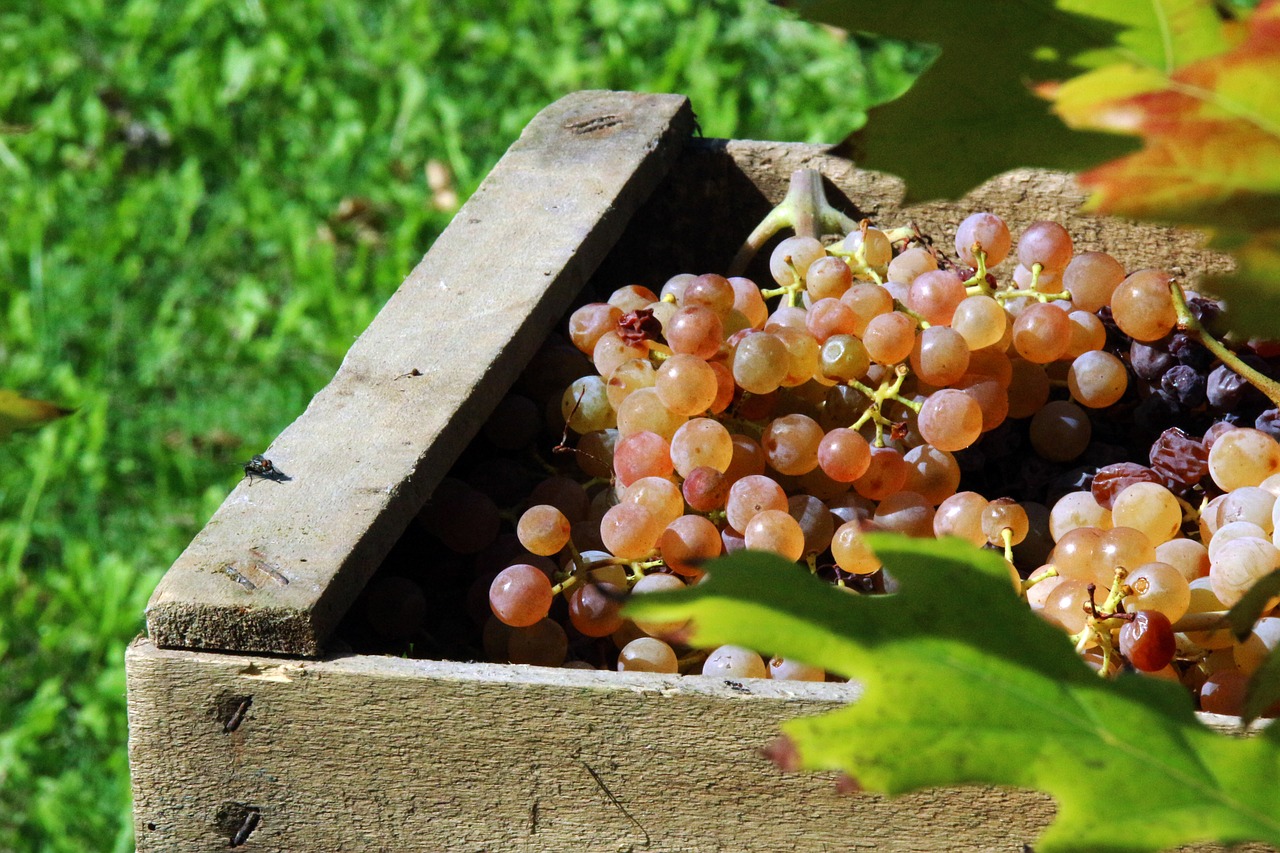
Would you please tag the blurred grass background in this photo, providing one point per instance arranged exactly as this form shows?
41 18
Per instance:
201 205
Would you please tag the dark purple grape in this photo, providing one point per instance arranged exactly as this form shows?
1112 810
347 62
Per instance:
1189 351
1269 422
1225 389
1185 385
1149 362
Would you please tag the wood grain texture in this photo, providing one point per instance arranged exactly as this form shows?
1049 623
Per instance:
279 563
370 753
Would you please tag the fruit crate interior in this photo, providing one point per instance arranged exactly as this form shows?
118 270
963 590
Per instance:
266 709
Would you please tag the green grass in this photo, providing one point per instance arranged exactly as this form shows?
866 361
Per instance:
173 264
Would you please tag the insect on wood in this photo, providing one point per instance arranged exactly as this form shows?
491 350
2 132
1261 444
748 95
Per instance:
262 468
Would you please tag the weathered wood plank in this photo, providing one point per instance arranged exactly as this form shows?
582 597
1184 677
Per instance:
279 563
368 753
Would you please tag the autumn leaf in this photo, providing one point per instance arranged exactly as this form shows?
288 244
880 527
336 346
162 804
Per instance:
1210 158
973 113
17 412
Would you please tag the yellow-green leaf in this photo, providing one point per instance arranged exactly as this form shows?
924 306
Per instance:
17 412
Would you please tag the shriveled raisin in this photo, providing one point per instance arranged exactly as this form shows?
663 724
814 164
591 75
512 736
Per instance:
1111 480
1179 458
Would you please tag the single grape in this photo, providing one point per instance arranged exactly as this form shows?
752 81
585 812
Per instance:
1142 305
648 654
520 595
950 420
1047 244
1091 278
1148 641
911 263
1060 431
734 662
988 233
1097 379
543 529
792 257
961 515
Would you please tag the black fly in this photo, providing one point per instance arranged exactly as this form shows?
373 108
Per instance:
262 468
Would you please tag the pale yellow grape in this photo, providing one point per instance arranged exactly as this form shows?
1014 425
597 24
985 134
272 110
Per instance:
751 495
906 512
1208 522
1143 307
627 377
791 444
827 317
950 420
867 301
585 405
1087 333
1158 586
777 532
940 356
1125 547
611 350
1243 457
748 301
1150 508
1261 642
789 669
760 363
1097 379
980 320
1091 278
631 297
630 531
674 286
844 358
1077 509
870 246
543 530
1004 515
701 442
889 338
710 291
1041 333
850 551
687 542
1188 556
686 384
658 495
1231 531
1078 555
695 330
804 356
734 662
790 260
1039 593
659 582
643 411
1239 565
1065 605
648 654
1250 503
905 267
828 277
1271 484
1205 600
961 515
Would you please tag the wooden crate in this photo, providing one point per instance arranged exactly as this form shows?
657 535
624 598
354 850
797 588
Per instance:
242 733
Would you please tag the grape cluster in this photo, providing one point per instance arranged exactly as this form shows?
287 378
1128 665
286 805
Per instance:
875 383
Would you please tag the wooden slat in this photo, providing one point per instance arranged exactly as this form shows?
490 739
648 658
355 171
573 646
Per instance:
279 563
369 753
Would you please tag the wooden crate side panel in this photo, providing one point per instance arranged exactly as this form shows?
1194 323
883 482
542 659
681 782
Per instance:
280 562
387 754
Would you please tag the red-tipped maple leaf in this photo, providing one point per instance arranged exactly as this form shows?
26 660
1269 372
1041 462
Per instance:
1211 152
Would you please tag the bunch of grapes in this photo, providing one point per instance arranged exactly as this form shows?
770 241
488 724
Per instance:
877 383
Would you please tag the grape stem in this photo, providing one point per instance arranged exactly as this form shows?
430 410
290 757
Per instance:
805 210
888 390
1187 322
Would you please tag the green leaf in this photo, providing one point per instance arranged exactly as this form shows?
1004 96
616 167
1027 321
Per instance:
17 412
1249 609
973 113
963 684
1263 690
